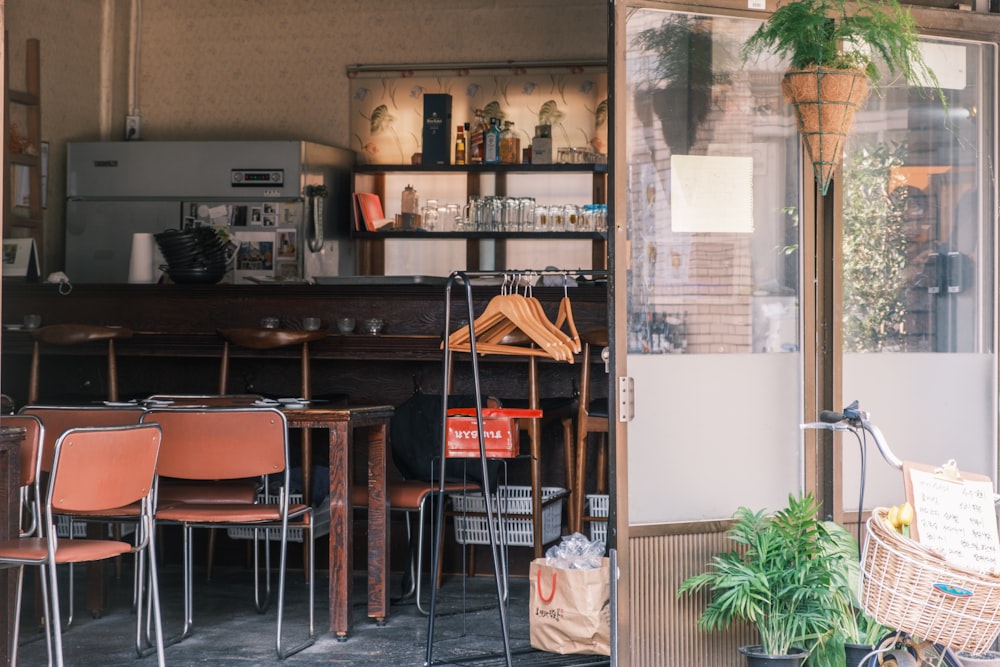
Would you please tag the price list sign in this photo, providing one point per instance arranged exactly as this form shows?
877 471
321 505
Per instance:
954 516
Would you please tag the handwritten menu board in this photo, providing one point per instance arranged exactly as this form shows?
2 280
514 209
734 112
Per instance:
954 518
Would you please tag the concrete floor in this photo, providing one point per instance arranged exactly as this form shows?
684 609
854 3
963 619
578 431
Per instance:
228 632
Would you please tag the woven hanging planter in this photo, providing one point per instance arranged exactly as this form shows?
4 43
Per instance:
825 102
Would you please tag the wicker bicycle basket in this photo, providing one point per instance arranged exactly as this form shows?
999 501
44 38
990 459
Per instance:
912 589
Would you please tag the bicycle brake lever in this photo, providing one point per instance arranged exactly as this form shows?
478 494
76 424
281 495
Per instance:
838 426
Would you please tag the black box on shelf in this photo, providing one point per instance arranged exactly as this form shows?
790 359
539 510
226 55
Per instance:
437 129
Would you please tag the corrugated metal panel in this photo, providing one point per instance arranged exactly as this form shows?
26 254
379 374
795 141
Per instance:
663 627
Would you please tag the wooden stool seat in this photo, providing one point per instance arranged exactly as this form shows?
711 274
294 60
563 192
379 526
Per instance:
260 338
76 334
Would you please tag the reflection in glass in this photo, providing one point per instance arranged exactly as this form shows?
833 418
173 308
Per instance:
714 240
915 218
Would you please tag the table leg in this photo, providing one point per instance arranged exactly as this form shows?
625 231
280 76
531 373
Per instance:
341 551
378 529
9 483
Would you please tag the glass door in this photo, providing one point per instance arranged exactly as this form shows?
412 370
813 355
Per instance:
713 289
919 201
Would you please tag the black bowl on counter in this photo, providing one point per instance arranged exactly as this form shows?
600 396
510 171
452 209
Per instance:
193 256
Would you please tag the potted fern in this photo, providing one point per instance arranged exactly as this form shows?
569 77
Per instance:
833 46
855 633
784 576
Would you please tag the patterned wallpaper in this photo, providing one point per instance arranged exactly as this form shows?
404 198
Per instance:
278 69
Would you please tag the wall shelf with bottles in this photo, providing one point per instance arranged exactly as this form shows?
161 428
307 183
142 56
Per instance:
583 183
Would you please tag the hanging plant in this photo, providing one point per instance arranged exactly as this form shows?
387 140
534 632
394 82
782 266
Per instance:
833 58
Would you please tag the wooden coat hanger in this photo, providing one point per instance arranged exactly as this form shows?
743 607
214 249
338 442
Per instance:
565 315
504 314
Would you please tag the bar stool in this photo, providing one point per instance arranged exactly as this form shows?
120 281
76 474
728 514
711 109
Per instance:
262 338
592 417
76 334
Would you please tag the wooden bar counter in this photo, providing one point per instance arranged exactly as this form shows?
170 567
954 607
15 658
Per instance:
176 347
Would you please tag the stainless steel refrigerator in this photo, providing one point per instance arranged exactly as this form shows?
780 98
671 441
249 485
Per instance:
287 204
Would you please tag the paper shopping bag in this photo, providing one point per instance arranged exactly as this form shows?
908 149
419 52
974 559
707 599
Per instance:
570 609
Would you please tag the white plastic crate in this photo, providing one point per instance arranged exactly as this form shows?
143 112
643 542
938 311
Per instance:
63 523
517 531
321 522
597 506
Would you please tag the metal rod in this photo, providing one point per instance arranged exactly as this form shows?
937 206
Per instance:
496 64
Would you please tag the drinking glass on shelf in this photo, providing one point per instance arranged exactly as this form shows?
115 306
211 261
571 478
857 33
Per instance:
542 223
527 213
453 215
429 213
558 217
572 217
510 215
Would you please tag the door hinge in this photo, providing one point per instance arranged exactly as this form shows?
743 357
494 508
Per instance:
626 399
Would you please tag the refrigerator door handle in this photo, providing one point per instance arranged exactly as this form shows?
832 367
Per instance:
315 197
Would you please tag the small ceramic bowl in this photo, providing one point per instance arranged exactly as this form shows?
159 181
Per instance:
345 325
373 326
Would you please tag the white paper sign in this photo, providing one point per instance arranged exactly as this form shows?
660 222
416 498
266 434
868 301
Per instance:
711 193
956 519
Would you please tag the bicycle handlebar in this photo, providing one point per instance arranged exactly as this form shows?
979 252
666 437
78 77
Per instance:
851 419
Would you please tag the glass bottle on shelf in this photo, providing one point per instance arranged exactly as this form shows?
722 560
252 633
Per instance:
491 143
474 147
509 145
460 145
409 208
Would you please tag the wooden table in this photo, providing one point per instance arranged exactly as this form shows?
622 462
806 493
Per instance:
371 423
10 503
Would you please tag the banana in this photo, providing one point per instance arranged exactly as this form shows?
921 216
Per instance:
900 517
905 514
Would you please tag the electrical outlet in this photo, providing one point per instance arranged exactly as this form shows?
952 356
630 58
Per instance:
131 128
756 4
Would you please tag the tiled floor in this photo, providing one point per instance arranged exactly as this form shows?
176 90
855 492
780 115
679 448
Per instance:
228 632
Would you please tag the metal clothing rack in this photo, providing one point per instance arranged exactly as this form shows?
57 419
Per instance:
498 565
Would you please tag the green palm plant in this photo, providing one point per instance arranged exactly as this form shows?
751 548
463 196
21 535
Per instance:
785 575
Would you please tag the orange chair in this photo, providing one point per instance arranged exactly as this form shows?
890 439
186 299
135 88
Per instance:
56 420
30 520
76 334
30 461
412 496
216 491
592 418
233 443
94 470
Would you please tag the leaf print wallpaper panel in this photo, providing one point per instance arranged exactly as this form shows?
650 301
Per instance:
387 107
